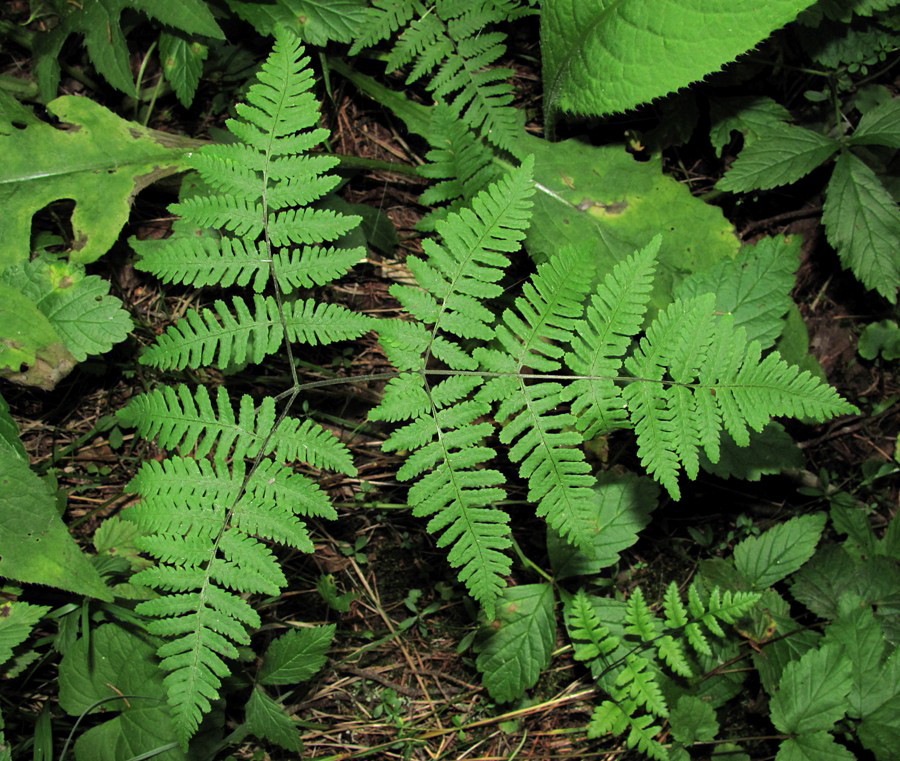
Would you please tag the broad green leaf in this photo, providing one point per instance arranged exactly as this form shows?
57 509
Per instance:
519 641
815 746
296 655
880 338
782 156
10 443
31 351
98 21
608 204
693 720
35 546
857 631
182 63
16 622
880 126
879 730
314 21
611 55
267 720
780 551
863 224
77 306
118 667
770 451
98 160
624 504
752 116
812 694
754 287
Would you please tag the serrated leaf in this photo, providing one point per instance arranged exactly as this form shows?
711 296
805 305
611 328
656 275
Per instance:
314 21
518 644
814 746
784 155
880 126
777 553
623 505
296 655
863 224
812 694
16 621
693 720
609 56
267 720
182 63
752 116
119 668
9 433
35 546
100 161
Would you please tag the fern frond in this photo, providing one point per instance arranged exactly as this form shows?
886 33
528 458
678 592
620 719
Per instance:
613 317
546 446
383 18
615 718
715 380
447 42
445 437
590 638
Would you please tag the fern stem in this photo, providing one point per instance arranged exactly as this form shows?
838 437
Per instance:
528 563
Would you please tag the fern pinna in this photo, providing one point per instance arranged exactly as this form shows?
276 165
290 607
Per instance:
691 376
204 512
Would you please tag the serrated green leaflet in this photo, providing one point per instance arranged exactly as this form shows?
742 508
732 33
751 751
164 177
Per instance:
100 161
862 222
35 546
519 642
780 551
813 692
611 55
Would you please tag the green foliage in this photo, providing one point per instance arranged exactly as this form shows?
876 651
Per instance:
201 520
603 58
99 22
101 162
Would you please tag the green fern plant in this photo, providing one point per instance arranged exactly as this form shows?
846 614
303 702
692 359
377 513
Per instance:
202 514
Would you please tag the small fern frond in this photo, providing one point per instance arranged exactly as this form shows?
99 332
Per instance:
715 380
546 446
613 317
615 718
590 639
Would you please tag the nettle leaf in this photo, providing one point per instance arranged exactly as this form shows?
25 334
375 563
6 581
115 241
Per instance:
314 21
752 116
600 58
693 720
117 667
182 63
862 222
519 641
812 694
784 155
296 655
814 746
16 621
35 546
97 159
266 719
623 507
778 552
879 126
98 21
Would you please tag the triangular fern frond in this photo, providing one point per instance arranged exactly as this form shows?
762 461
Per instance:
546 446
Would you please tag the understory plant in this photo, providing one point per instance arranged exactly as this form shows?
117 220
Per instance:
639 316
